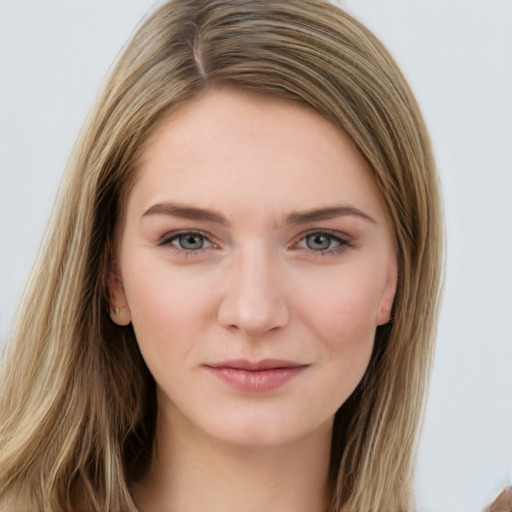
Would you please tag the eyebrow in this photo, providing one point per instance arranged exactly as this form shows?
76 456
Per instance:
186 212
294 218
328 213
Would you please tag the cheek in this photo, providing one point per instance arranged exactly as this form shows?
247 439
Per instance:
341 315
344 307
340 319
168 310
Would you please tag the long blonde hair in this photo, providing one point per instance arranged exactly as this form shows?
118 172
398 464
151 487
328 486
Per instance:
77 405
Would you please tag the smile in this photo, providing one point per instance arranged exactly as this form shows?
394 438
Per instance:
260 376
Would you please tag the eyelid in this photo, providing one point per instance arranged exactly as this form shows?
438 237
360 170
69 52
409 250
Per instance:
345 241
167 239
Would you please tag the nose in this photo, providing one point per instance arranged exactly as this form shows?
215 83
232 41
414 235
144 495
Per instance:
254 300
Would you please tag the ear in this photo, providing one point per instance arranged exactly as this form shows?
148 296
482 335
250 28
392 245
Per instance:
383 315
118 306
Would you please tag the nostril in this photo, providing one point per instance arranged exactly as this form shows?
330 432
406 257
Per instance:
253 321
252 301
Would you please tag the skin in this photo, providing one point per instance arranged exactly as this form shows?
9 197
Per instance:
256 277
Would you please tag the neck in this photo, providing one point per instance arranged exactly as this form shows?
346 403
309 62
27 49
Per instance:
194 472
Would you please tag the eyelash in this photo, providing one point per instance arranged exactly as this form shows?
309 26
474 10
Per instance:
168 240
343 242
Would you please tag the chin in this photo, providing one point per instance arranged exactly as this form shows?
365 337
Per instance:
268 432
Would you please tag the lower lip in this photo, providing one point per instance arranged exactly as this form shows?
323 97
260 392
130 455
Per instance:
256 381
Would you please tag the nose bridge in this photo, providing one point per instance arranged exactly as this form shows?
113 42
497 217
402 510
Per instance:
255 301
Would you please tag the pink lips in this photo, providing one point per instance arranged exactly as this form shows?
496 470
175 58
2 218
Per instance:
258 376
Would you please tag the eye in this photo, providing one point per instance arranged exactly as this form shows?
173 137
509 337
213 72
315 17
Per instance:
321 242
190 241
186 241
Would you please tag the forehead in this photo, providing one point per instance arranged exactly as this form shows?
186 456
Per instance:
242 151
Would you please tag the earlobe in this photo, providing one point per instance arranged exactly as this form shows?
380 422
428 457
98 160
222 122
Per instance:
118 305
121 316
383 315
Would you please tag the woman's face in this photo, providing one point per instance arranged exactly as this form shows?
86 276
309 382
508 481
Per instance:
256 261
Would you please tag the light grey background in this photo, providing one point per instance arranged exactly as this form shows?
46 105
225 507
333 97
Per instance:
457 55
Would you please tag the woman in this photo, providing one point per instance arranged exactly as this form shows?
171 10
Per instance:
238 290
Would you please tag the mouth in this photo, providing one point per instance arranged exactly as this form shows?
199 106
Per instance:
256 376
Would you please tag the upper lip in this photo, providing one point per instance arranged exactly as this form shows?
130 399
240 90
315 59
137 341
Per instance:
254 366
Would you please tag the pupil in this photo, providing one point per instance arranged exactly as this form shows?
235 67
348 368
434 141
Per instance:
318 242
191 241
